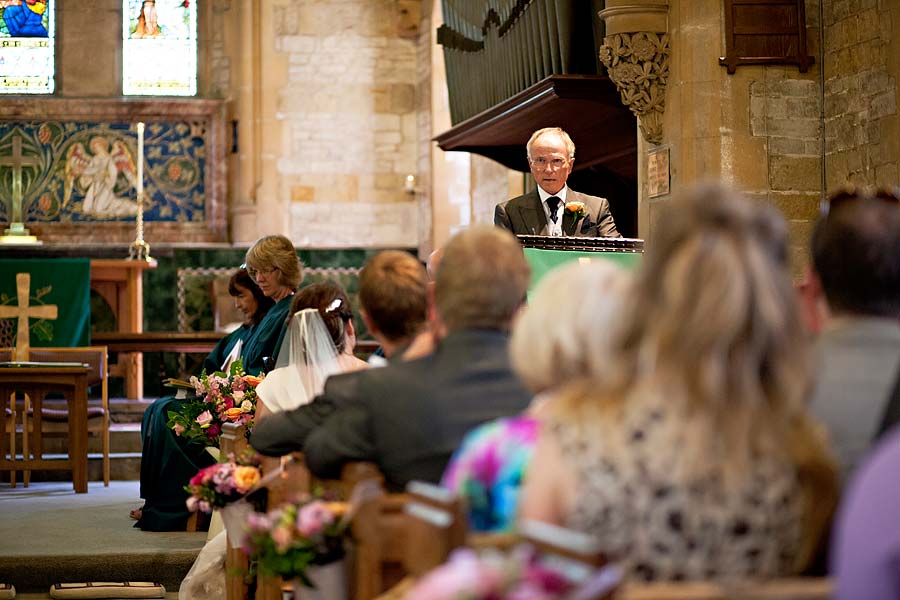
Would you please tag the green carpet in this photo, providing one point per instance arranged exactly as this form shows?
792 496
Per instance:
49 534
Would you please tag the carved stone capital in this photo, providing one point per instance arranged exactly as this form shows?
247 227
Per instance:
638 63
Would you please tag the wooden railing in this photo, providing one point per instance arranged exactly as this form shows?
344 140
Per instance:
174 341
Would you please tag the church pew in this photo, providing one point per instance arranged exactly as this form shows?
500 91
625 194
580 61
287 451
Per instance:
789 588
378 531
368 530
234 441
293 478
435 526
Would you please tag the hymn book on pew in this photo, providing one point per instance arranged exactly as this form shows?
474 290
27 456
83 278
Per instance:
182 386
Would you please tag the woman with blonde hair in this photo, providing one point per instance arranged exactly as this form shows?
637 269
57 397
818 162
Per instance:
168 461
697 458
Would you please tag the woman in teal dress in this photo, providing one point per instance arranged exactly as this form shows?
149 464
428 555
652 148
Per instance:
168 461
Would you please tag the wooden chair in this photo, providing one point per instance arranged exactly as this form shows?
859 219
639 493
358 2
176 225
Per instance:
51 422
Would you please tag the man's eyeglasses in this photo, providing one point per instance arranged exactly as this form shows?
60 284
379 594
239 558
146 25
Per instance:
848 193
555 163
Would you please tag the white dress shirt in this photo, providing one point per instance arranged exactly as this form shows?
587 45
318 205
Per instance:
554 229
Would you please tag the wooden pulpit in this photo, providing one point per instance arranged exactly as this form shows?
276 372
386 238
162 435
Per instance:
545 253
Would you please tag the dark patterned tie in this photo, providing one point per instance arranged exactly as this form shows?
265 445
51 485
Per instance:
553 203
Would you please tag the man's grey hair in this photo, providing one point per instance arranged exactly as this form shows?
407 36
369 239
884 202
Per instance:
570 145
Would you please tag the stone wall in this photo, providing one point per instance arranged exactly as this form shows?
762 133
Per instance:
348 120
759 129
862 127
786 111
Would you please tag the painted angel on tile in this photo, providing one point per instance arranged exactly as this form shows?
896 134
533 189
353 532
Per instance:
97 174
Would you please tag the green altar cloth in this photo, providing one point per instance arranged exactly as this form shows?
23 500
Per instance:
543 260
61 282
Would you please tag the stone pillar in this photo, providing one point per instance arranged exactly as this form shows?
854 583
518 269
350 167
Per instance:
759 130
636 54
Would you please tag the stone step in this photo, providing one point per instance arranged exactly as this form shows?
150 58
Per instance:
124 456
123 466
121 410
123 437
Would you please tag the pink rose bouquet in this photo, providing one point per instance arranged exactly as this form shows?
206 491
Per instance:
289 539
520 574
220 398
218 485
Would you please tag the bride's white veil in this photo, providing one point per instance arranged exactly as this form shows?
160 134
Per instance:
306 359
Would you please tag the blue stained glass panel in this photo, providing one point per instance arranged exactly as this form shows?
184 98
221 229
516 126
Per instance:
159 47
27 36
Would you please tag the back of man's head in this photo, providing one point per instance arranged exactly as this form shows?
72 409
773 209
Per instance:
392 292
856 254
482 279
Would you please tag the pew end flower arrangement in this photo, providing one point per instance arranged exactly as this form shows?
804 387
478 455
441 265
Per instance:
220 398
520 574
290 540
223 483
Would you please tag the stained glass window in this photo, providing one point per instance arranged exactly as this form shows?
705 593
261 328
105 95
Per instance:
27 32
159 49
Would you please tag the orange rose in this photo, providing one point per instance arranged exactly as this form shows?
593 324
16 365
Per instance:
337 508
245 478
576 208
233 414
252 380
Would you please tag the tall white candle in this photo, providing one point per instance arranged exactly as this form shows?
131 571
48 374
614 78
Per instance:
140 162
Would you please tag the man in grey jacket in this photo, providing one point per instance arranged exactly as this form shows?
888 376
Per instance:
409 417
552 208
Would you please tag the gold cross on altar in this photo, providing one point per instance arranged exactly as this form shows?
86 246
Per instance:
17 160
23 311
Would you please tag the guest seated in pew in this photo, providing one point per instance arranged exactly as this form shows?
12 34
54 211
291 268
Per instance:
425 342
393 301
865 547
318 343
408 417
254 305
167 461
855 276
488 469
696 458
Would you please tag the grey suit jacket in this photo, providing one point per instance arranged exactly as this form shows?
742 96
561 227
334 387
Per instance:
407 417
524 215
858 361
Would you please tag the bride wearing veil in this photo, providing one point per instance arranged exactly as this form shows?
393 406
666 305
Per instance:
318 342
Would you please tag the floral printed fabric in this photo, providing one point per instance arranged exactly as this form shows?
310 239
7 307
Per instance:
488 469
